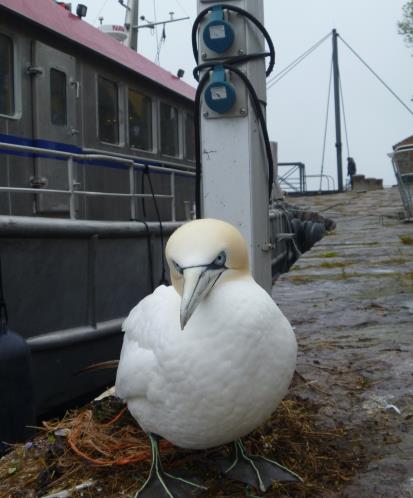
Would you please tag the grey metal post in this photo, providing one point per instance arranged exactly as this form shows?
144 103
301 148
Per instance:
339 145
131 21
70 180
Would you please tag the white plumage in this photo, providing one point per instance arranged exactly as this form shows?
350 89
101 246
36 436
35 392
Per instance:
227 370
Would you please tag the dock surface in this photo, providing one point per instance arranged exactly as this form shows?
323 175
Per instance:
350 300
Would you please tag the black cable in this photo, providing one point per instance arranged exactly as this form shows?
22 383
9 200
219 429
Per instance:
376 75
146 172
246 14
238 59
3 307
150 259
197 131
148 235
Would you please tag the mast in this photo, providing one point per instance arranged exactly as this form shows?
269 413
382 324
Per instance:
131 23
339 145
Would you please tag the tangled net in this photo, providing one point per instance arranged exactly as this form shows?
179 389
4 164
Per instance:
105 444
102 443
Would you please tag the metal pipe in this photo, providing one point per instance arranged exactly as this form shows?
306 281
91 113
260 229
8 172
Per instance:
91 193
26 226
78 335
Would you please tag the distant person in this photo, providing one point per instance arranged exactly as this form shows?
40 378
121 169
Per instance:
351 170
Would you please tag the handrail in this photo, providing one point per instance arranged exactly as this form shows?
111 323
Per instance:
328 177
72 192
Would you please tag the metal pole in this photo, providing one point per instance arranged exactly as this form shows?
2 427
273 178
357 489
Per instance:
234 164
339 145
131 22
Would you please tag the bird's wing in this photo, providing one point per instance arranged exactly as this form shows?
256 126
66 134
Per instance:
148 325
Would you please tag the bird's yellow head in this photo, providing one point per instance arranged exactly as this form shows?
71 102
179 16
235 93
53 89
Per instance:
200 254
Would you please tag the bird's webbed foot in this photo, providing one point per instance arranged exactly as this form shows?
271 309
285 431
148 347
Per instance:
254 470
161 484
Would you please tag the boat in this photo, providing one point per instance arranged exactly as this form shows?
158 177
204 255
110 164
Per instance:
96 170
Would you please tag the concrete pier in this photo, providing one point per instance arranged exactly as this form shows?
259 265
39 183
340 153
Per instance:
350 300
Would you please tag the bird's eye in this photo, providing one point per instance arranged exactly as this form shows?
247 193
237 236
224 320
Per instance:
221 259
178 268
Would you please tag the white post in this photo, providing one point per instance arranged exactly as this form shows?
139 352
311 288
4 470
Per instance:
234 163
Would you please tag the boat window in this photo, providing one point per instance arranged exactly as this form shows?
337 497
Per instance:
140 120
108 110
169 130
189 137
6 76
58 100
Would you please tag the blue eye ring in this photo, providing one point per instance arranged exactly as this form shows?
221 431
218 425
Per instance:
220 260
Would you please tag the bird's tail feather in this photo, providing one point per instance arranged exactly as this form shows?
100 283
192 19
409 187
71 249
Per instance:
99 366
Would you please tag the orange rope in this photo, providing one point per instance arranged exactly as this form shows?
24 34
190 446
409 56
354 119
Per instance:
86 435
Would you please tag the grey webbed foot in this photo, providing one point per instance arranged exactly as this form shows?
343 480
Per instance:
160 484
254 470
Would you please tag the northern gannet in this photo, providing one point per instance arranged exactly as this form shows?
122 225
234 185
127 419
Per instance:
206 360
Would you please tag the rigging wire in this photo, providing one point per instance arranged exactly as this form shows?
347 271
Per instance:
376 75
182 7
278 76
326 125
344 115
101 9
160 45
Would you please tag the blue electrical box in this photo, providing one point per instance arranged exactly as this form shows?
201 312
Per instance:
218 33
220 95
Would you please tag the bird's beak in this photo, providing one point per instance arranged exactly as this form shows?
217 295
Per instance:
198 281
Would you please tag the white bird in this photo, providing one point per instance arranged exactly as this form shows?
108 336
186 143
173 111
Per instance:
208 359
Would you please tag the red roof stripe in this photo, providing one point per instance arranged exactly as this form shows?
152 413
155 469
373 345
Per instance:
49 14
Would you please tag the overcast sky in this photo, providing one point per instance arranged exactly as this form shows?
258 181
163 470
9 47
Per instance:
297 104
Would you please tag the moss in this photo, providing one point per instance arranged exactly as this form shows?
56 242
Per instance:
398 260
406 239
330 254
333 264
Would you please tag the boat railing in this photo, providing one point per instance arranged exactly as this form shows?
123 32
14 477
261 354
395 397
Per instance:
402 160
73 191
